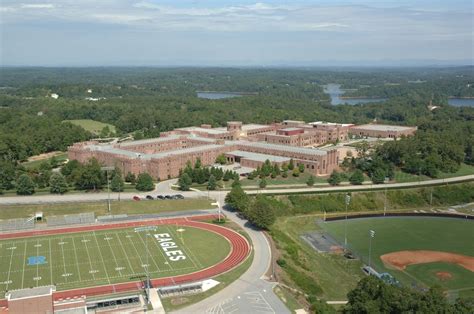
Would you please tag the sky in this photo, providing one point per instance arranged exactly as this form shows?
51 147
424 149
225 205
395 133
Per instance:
235 33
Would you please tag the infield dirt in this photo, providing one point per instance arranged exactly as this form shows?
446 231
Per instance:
401 259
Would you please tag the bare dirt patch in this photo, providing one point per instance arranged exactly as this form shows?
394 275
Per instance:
444 275
401 259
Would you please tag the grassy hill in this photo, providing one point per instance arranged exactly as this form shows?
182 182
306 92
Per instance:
91 125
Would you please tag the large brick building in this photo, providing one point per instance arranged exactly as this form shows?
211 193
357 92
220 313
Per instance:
382 131
249 144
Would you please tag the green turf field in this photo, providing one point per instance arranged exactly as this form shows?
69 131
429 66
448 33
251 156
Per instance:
92 125
413 233
104 257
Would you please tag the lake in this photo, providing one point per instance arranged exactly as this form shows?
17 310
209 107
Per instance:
219 95
461 102
335 91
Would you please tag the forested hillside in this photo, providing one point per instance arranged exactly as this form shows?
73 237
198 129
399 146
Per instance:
147 101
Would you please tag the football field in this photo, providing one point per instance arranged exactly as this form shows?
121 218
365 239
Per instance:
412 234
94 258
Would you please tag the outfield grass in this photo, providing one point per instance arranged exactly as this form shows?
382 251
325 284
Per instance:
92 125
105 257
412 233
100 208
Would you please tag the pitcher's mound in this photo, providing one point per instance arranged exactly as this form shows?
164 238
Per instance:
401 259
444 275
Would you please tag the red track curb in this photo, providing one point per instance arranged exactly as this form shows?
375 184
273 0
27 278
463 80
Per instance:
240 249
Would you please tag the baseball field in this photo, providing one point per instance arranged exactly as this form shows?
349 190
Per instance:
418 251
104 257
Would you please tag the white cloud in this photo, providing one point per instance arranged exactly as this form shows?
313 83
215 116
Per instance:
37 6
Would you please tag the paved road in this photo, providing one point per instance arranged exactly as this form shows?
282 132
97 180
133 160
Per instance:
164 188
251 293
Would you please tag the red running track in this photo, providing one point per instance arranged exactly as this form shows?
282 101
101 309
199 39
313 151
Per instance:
240 249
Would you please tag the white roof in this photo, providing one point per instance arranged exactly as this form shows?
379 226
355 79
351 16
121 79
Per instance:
383 127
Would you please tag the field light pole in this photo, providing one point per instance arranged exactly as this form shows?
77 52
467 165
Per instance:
347 201
385 202
107 169
371 235
147 229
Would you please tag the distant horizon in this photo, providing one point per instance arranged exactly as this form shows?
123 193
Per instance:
446 64
262 33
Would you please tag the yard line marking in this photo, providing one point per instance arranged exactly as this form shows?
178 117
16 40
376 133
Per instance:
160 250
64 260
118 268
37 265
9 269
126 255
77 261
146 249
138 254
101 257
50 261
24 261
183 245
88 255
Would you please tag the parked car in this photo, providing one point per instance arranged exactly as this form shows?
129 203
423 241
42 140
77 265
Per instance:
149 197
180 196
160 197
136 198
168 197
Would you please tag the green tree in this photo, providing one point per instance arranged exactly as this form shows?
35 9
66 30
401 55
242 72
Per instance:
335 178
357 178
284 174
24 185
184 182
235 183
198 164
221 159
296 172
301 168
58 183
263 183
131 178
7 174
310 181
212 183
378 176
144 182
89 177
291 165
238 199
117 184
261 213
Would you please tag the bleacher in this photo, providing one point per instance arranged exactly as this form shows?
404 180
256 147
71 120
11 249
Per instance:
76 219
17 224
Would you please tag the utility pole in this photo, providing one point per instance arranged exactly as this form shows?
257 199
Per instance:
107 169
347 201
371 235
385 202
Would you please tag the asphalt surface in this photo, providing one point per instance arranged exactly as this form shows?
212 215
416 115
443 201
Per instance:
251 293
165 188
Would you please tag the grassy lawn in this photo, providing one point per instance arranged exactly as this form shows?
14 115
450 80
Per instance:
401 177
464 170
100 208
335 275
284 181
91 125
396 234
60 157
104 257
